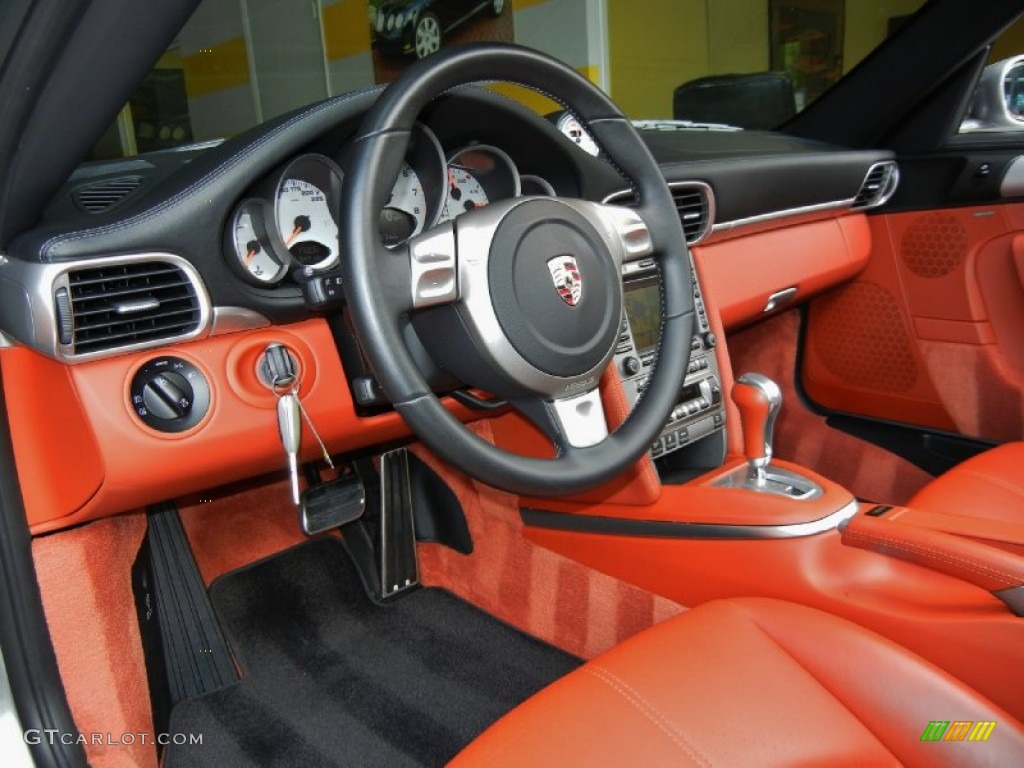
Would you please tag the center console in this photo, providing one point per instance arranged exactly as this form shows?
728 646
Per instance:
699 410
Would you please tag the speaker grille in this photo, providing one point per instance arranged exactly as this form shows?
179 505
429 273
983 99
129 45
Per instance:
858 334
934 245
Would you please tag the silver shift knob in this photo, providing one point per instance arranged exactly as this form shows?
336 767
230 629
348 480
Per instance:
758 399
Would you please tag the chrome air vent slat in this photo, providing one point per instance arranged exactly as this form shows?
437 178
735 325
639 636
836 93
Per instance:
879 185
102 195
694 201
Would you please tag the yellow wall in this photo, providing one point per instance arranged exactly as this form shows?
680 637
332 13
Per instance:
654 46
867 25
1010 43
738 36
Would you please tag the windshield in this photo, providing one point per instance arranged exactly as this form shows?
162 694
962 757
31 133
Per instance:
738 63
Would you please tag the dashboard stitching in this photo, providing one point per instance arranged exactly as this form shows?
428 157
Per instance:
234 161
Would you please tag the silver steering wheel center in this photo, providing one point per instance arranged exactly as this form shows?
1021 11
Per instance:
535 285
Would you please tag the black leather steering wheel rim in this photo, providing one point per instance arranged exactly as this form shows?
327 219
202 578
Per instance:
376 278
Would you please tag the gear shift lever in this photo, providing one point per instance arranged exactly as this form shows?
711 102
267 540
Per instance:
758 399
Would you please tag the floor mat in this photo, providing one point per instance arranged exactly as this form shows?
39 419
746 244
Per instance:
331 679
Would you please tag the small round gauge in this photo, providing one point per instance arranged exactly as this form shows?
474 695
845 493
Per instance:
536 185
570 125
478 175
306 202
252 246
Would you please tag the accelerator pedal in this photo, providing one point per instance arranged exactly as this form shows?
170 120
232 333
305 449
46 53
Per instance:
399 567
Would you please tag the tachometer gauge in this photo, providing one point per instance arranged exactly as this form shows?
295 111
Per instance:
251 244
405 213
306 202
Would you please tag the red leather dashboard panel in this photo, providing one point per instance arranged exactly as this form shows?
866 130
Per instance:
99 459
741 273
59 462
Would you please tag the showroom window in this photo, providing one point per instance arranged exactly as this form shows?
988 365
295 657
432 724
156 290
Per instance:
743 63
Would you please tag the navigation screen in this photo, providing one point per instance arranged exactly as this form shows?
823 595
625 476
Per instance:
643 310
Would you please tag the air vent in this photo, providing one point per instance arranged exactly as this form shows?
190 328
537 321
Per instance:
98 197
121 305
694 208
878 186
694 201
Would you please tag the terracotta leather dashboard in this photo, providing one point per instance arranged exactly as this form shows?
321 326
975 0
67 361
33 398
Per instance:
743 272
82 453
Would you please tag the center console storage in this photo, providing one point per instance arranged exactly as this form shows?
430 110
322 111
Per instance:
699 410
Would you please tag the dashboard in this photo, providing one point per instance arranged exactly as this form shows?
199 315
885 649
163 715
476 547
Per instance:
184 266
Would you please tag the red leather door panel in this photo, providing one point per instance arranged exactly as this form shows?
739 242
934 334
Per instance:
930 333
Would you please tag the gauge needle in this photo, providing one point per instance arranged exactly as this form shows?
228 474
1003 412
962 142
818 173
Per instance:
454 190
302 223
254 248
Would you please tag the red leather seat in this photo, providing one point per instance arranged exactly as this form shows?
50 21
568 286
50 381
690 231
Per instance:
750 682
989 485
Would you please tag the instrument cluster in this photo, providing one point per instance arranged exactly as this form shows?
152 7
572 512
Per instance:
291 222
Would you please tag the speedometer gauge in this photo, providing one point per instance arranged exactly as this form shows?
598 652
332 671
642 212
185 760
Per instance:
306 202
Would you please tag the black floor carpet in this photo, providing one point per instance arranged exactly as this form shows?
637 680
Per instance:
331 679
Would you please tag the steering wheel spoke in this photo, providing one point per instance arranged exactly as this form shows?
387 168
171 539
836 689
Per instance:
628 228
433 267
580 419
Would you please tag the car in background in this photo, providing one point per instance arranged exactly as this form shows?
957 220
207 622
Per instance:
418 27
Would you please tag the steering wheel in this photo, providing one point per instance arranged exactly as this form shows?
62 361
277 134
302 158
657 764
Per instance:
522 298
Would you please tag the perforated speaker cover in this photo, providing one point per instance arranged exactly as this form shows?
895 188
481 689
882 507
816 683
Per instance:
858 334
934 245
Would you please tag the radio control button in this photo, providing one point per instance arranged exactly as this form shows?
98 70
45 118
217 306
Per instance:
631 366
671 441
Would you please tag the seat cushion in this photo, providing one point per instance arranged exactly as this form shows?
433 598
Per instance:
989 485
749 682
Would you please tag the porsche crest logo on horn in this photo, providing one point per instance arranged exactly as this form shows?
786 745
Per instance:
565 274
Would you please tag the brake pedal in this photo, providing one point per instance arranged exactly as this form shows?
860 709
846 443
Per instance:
332 504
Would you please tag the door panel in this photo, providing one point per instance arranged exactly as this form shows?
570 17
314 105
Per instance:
930 333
